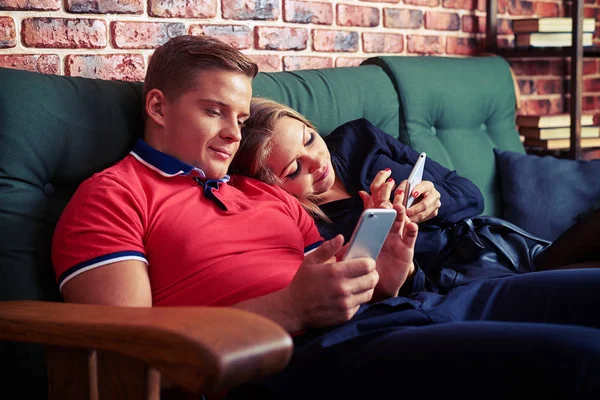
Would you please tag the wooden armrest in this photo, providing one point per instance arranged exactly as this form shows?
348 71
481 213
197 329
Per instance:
202 349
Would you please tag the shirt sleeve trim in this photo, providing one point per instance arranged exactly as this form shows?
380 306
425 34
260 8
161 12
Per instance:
98 262
309 249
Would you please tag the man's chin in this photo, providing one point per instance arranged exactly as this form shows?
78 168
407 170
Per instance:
215 176
216 171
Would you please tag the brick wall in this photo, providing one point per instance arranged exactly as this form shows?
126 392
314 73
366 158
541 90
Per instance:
112 39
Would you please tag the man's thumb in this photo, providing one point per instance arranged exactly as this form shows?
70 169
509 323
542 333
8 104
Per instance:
327 250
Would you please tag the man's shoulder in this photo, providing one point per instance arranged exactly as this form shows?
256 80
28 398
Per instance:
123 173
253 187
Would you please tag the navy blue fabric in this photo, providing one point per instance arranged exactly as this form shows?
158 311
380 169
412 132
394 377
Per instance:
166 164
482 247
360 150
535 333
546 195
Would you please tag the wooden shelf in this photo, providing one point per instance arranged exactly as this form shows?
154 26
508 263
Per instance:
575 53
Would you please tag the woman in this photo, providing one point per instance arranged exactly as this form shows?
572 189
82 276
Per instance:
475 337
331 177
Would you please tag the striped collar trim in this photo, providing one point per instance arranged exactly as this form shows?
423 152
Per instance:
164 164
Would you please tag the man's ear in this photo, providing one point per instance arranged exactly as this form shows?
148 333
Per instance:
155 106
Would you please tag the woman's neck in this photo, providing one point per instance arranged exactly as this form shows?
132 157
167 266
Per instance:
337 192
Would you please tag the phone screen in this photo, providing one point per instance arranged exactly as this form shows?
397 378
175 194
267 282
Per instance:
415 177
370 233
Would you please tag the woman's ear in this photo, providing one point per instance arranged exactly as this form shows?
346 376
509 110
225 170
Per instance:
155 106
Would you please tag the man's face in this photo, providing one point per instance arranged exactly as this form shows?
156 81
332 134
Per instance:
202 125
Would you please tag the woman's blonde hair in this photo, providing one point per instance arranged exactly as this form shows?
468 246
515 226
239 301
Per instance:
256 147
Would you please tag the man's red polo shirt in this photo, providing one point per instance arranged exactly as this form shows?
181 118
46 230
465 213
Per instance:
205 242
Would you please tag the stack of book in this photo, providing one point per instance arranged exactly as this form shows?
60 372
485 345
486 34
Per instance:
550 32
553 132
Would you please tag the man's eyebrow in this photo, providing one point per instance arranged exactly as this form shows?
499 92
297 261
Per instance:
212 100
222 104
290 163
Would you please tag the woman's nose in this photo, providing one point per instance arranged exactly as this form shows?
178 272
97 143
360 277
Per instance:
314 163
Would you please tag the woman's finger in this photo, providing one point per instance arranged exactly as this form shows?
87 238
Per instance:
366 198
381 187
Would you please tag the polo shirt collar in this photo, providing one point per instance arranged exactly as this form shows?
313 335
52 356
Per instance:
165 164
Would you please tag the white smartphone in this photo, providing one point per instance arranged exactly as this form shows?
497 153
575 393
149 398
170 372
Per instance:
415 177
370 233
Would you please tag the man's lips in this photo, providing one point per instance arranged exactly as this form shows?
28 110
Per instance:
324 174
223 152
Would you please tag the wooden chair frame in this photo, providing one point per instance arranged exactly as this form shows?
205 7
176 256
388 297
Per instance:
105 352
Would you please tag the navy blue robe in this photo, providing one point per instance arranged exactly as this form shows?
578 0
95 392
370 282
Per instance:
360 150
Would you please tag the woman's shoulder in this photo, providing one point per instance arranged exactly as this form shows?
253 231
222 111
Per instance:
354 127
359 131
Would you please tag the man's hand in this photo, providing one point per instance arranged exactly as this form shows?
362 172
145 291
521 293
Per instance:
324 292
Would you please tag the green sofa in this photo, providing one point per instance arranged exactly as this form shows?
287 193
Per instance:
56 131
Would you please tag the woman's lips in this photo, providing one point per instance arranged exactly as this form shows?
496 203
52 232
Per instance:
324 174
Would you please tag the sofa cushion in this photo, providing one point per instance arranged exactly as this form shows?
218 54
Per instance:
457 110
332 96
545 195
54 132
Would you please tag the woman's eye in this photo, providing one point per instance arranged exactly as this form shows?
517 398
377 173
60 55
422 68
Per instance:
295 173
310 139
241 124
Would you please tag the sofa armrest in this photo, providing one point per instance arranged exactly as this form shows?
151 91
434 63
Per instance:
202 349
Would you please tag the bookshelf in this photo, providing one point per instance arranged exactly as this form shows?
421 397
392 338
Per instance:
575 52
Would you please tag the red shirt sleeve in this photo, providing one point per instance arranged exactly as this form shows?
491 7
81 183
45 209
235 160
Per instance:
102 224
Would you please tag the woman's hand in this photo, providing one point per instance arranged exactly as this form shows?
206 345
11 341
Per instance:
427 201
427 198
395 261
381 191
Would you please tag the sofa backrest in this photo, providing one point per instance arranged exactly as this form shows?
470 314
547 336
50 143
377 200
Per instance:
329 97
457 110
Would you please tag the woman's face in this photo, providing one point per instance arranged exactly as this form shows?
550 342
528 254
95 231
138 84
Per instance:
301 159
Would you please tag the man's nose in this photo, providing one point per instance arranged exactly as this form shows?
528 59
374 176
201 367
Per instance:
232 131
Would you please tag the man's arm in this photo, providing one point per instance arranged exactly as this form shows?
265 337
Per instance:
322 293
123 283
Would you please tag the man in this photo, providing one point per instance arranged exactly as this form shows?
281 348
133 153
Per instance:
166 226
